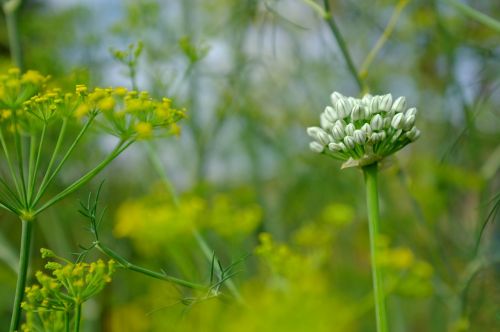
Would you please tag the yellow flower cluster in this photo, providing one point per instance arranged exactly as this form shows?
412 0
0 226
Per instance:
68 285
406 274
128 113
16 88
153 221
26 101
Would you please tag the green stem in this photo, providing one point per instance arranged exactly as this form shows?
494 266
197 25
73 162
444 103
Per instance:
78 316
129 266
475 15
27 232
66 322
11 8
87 177
370 173
343 46
202 243
46 181
9 163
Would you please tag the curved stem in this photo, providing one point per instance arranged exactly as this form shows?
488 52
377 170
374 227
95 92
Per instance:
342 44
27 232
202 243
370 173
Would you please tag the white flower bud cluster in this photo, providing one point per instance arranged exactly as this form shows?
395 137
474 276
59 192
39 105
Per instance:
363 131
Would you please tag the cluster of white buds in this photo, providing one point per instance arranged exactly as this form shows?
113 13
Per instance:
364 131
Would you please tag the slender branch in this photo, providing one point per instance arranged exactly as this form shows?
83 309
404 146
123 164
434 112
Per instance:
383 38
26 234
122 146
129 266
32 183
475 15
370 173
55 152
329 19
9 163
42 189
202 243
11 9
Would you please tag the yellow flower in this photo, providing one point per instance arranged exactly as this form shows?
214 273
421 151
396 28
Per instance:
33 77
81 111
144 130
106 104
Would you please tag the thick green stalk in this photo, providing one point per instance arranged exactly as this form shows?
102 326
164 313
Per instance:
370 173
66 322
27 232
78 316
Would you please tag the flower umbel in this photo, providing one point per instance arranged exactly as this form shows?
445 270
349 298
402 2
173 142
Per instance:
364 131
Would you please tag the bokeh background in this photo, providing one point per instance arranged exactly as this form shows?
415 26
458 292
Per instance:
253 74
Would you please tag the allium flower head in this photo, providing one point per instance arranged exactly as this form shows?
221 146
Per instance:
363 131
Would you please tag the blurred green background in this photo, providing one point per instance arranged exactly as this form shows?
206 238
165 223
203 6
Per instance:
253 75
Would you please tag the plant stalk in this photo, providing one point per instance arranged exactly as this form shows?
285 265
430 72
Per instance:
370 173
129 266
11 9
26 234
330 21
78 316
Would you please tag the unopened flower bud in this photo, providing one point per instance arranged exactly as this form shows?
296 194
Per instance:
396 135
325 123
386 102
397 121
335 96
316 147
359 137
357 113
349 129
338 132
374 105
377 122
409 122
413 134
349 142
334 147
399 104
342 108
330 114
366 128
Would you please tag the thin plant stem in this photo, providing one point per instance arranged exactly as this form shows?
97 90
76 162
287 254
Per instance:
121 146
9 163
330 21
78 316
370 173
383 38
130 266
47 182
11 9
202 243
20 158
475 15
31 188
26 235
